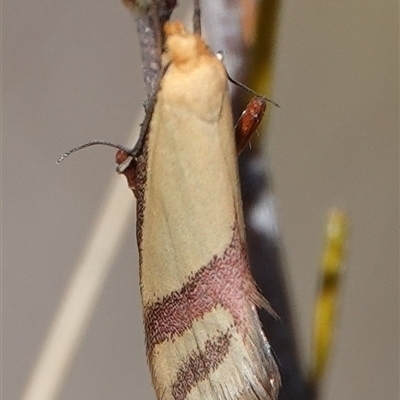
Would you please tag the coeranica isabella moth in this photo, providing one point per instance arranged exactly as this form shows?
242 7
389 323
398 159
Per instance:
203 336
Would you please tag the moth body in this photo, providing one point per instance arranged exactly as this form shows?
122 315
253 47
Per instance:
203 336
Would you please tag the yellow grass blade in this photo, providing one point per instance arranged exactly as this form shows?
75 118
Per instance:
327 298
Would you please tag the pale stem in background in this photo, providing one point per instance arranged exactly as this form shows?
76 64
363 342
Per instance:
80 298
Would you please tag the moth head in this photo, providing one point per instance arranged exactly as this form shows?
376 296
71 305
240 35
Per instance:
183 47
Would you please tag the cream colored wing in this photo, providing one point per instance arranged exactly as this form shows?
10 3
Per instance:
204 339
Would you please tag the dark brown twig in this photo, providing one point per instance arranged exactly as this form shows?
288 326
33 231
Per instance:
150 17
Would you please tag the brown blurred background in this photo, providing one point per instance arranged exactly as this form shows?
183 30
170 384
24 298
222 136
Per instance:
71 73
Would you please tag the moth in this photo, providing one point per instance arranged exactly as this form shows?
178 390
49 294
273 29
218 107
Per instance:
203 336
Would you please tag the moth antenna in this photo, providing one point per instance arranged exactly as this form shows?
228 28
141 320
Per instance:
92 143
144 127
243 86
197 17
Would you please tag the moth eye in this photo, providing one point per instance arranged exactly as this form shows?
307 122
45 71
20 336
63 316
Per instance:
121 156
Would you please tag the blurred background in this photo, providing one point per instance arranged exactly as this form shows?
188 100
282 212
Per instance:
71 73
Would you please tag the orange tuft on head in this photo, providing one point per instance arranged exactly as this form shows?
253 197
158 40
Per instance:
183 46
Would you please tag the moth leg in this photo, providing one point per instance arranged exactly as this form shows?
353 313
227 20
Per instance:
249 121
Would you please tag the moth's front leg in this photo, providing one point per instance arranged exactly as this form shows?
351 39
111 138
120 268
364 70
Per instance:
128 166
249 121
